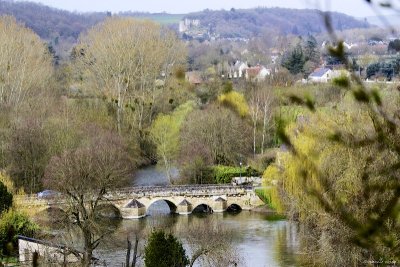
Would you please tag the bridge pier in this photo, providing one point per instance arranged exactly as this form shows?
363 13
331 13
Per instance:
220 205
133 210
185 208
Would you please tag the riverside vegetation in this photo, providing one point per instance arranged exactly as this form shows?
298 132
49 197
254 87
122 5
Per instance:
328 152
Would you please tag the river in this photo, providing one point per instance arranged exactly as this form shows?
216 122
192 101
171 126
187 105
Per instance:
259 239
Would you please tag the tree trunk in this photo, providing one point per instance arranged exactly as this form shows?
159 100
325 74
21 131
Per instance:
128 253
88 250
135 249
254 137
119 111
264 128
167 169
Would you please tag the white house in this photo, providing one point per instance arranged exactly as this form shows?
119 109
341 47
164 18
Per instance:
320 75
257 73
238 69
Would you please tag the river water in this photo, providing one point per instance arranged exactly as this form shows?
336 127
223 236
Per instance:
259 239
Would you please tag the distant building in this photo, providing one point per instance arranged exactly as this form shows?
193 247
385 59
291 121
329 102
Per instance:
194 77
320 75
257 73
237 70
186 24
349 46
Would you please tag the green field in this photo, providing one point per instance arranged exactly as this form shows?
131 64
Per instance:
164 19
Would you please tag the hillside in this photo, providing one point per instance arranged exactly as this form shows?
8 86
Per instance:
247 23
54 25
49 23
63 27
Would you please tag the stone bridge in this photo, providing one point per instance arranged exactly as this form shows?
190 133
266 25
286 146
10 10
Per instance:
134 202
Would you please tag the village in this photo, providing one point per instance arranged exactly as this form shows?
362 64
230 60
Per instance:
374 56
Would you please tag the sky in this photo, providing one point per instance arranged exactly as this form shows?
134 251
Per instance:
356 8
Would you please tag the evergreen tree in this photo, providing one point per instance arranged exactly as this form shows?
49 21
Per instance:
394 46
5 198
164 251
311 52
294 61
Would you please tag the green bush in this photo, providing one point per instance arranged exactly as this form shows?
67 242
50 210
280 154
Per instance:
6 198
224 174
164 251
12 224
263 195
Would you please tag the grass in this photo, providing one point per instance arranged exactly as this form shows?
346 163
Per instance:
164 19
9 261
262 195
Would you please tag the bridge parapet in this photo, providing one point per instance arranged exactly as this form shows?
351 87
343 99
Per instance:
134 202
183 190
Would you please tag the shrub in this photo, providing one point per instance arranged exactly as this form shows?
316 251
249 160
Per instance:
269 194
235 101
164 251
224 174
12 224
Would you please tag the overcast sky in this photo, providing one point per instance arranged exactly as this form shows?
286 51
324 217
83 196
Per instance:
356 8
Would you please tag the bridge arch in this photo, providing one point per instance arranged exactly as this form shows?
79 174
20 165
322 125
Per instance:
234 208
202 208
55 215
109 210
171 205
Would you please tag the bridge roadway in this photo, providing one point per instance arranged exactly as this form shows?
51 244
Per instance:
134 202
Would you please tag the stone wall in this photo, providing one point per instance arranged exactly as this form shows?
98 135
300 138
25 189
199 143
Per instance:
47 252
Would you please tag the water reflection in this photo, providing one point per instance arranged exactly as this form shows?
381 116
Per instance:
259 241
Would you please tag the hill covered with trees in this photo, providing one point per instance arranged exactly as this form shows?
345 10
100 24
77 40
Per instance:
55 25
247 23
50 23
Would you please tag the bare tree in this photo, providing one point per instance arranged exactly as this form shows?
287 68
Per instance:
225 137
25 63
122 58
211 244
261 110
254 109
85 175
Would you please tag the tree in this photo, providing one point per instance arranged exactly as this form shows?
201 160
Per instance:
353 200
12 224
260 107
294 60
165 133
164 251
366 60
394 46
85 175
344 185
211 244
6 198
215 134
25 63
311 52
121 58
28 155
